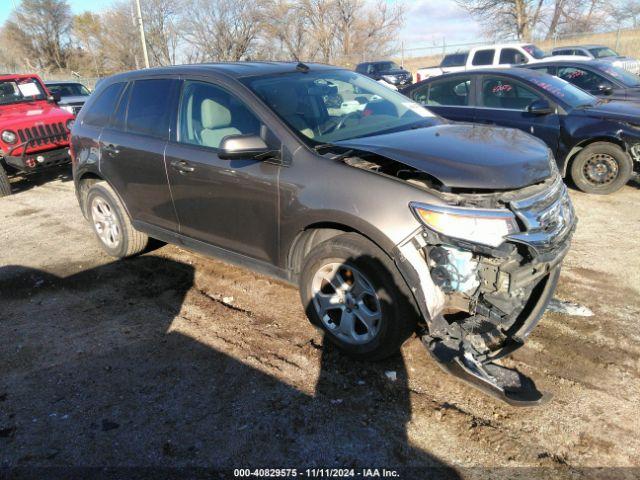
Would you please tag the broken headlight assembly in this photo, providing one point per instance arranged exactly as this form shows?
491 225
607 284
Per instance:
484 226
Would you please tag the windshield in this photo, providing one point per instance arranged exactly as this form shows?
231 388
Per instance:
68 89
21 90
332 105
386 66
627 78
534 51
602 52
564 91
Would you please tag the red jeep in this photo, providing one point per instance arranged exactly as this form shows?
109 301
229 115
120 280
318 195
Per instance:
34 131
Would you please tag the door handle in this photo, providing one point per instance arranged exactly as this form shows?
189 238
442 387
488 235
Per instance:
182 166
110 149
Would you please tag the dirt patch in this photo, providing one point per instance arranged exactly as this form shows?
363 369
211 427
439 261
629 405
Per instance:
172 359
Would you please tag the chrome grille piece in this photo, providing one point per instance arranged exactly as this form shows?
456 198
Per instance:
548 217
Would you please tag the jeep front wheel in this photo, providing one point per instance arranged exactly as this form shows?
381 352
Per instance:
111 222
5 186
601 168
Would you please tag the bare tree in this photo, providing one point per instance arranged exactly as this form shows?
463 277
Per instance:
160 20
88 31
504 18
221 30
42 28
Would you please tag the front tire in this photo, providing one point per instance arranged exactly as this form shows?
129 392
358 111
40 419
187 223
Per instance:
5 186
111 222
353 291
601 168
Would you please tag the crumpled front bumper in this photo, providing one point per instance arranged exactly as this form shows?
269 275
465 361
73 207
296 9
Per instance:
489 315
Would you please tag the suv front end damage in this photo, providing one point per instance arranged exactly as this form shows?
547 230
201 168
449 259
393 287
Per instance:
481 299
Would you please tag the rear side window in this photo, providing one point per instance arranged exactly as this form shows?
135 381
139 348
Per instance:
454 60
453 92
100 111
511 56
483 57
149 107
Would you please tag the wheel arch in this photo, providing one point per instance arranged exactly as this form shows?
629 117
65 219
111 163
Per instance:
578 147
313 234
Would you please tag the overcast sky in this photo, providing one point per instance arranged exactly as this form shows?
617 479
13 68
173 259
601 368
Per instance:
427 21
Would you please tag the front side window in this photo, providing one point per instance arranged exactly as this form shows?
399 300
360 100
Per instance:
21 90
330 105
209 113
582 78
483 57
448 93
149 111
506 94
511 56
100 111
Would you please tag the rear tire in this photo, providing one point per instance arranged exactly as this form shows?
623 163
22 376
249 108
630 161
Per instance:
601 168
377 313
111 223
5 186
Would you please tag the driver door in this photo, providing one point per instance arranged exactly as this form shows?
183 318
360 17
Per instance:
231 204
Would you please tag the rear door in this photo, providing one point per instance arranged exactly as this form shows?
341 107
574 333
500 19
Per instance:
132 150
232 204
504 101
450 97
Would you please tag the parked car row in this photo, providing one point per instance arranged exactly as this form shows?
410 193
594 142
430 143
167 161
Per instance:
390 219
584 110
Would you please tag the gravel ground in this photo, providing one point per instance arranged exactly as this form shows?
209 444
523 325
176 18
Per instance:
171 359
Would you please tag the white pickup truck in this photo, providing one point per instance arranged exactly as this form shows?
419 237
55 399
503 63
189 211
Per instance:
496 56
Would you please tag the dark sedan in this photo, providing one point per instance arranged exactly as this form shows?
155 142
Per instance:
596 77
596 142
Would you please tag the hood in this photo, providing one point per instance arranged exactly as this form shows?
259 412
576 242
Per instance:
465 155
27 113
614 110
73 100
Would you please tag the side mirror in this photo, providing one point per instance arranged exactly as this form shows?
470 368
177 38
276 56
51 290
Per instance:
54 97
244 146
605 89
539 107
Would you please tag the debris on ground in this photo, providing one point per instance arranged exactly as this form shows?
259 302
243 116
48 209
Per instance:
569 308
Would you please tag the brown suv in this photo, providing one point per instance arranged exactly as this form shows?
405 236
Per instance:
390 219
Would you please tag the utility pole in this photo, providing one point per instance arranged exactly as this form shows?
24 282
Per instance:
142 37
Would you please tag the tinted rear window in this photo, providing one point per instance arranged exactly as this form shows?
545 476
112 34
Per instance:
100 111
149 107
454 60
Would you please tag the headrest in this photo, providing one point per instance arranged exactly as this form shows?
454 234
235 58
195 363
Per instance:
214 115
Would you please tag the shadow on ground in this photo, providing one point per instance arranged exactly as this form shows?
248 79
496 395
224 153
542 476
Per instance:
23 183
92 374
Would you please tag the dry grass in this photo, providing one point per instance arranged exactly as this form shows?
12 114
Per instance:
627 44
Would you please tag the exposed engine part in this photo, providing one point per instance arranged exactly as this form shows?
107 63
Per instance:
453 270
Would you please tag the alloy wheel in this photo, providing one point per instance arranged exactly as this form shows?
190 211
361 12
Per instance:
346 303
105 222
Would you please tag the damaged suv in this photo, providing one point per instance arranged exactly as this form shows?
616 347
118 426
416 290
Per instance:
390 219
